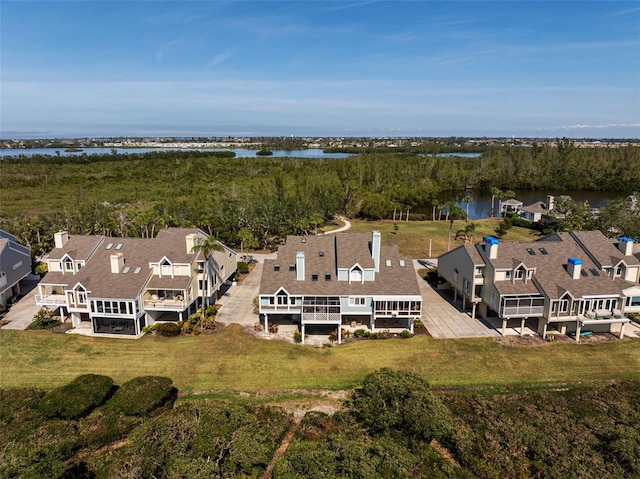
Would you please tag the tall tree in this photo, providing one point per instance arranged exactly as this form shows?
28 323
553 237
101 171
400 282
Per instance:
454 213
207 247
467 199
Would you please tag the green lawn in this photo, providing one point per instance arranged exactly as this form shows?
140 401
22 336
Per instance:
233 361
412 237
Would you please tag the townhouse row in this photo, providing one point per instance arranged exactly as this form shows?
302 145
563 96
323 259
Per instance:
571 283
121 285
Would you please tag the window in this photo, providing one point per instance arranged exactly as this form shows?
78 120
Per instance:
618 272
507 274
282 299
479 270
519 273
455 275
200 266
68 265
357 300
633 301
355 275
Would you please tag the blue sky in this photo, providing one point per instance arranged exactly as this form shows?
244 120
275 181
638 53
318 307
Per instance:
316 68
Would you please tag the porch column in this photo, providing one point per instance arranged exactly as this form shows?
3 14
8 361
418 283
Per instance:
622 330
411 320
473 310
266 323
180 316
578 332
522 321
339 334
504 327
373 322
464 302
302 328
455 295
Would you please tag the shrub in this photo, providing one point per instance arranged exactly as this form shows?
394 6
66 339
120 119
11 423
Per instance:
3 308
43 319
401 402
333 336
405 334
417 324
149 329
273 328
77 398
168 329
361 333
327 345
142 395
41 268
208 322
243 268
345 333
210 310
193 319
297 337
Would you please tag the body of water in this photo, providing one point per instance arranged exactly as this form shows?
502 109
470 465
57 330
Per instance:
240 152
480 205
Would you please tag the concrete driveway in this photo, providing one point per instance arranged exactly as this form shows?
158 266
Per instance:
442 318
237 302
21 313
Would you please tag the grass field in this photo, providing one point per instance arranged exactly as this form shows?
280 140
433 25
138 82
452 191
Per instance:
233 361
412 237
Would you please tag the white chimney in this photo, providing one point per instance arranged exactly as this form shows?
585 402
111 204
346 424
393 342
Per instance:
625 245
491 246
375 249
191 242
300 265
117 263
550 202
61 238
574 267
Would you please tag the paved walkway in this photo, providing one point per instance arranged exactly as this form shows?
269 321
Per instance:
347 225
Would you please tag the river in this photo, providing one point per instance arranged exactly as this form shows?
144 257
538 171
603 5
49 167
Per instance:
480 205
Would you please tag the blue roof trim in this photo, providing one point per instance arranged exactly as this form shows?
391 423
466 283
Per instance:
574 261
625 239
491 240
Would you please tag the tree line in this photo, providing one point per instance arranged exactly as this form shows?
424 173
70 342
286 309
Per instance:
258 201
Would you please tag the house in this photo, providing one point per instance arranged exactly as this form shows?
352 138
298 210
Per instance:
567 281
537 211
340 279
121 285
15 265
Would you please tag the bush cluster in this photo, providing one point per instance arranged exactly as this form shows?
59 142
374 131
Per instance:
142 395
168 329
243 267
78 397
44 319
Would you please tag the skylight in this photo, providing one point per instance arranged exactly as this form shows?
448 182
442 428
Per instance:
388 262
119 246
543 251
403 263
126 269
314 277
531 251
109 246
594 272
137 270
276 267
584 273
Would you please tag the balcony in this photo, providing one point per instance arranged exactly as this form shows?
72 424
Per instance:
521 311
51 299
164 304
328 314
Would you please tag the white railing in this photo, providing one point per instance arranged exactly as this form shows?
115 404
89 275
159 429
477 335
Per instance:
522 311
162 304
50 299
321 316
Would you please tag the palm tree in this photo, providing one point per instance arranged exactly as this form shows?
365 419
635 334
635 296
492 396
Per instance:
495 192
435 203
467 199
454 213
207 248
